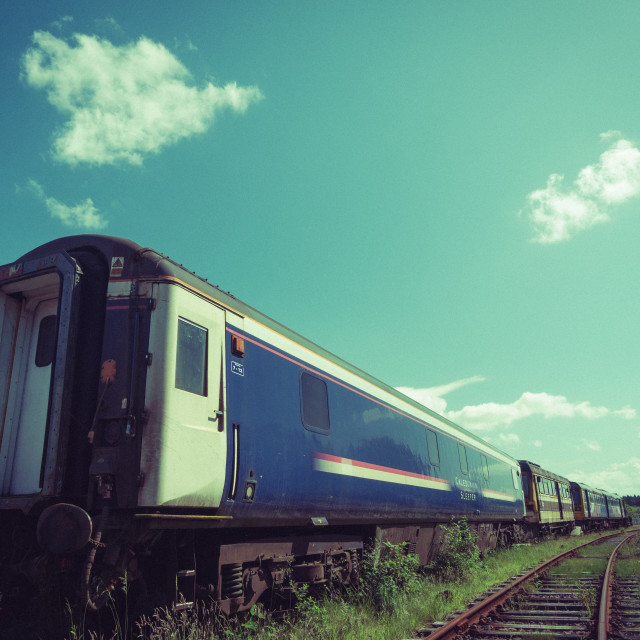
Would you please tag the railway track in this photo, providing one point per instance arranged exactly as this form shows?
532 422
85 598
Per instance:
625 594
574 595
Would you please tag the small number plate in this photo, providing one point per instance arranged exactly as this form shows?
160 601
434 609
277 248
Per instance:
237 368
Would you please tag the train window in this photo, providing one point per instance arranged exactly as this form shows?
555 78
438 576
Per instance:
485 466
432 448
576 496
191 358
315 402
462 454
46 347
526 485
515 477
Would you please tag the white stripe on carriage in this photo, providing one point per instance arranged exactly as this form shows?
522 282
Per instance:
329 466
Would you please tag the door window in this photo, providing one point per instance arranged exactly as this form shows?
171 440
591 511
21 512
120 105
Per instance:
191 358
46 347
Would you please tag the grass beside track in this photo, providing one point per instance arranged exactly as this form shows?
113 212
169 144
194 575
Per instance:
355 615
628 561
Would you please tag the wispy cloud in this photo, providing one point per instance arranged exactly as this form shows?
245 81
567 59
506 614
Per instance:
122 103
84 215
558 212
490 416
487 416
432 396
591 444
508 440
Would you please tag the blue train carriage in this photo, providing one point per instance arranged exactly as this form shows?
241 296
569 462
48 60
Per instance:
596 509
616 512
223 453
319 449
549 508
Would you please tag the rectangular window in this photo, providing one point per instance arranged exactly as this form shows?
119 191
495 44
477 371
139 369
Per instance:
526 485
315 403
577 498
46 347
432 447
515 476
191 358
462 454
485 466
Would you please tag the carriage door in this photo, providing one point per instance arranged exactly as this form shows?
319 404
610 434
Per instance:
28 332
185 399
29 448
559 496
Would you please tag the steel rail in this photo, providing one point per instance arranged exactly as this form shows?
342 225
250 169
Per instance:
604 614
473 615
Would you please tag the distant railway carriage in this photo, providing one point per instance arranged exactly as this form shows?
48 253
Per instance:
597 509
547 499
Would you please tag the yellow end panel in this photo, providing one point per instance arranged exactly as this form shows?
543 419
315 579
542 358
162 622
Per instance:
184 442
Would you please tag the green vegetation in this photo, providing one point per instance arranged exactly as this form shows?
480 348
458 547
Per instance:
390 601
628 561
459 556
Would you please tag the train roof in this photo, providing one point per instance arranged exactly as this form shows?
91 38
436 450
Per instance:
534 468
595 490
147 263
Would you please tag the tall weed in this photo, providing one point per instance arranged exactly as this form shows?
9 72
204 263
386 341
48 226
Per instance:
388 573
459 555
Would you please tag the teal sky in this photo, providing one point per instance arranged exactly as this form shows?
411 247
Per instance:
445 194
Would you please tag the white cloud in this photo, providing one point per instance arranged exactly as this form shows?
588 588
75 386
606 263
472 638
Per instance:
61 24
488 416
508 440
537 443
626 412
432 396
84 215
493 415
591 444
557 213
122 103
